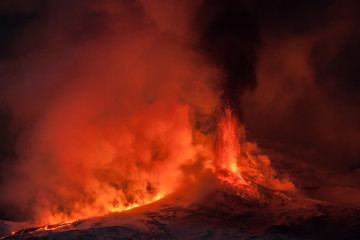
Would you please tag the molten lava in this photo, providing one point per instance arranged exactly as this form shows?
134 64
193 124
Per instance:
228 148
239 162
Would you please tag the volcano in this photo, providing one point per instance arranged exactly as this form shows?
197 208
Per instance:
224 202
222 214
194 119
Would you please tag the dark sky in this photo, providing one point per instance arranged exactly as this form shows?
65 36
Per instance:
290 71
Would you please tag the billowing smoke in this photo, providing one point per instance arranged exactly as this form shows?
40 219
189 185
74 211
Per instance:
96 100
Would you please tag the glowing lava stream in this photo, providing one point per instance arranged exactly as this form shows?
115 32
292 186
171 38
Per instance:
121 209
52 227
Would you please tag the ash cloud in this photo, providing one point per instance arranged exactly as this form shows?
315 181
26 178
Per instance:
228 37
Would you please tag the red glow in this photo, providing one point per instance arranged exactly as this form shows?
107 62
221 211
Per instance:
239 162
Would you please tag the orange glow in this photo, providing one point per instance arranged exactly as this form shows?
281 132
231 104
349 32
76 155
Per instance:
228 150
234 160
239 162
59 219
121 118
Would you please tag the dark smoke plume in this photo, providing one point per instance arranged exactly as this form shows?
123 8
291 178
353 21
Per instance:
229 37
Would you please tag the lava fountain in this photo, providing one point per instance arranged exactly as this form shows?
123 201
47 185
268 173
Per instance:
239 162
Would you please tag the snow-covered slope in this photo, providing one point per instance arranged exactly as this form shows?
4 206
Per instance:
222 215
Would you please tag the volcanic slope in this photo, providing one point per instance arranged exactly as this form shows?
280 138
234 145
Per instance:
222 213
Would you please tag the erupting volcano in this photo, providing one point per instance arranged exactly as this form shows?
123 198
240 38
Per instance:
204 119
236 167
